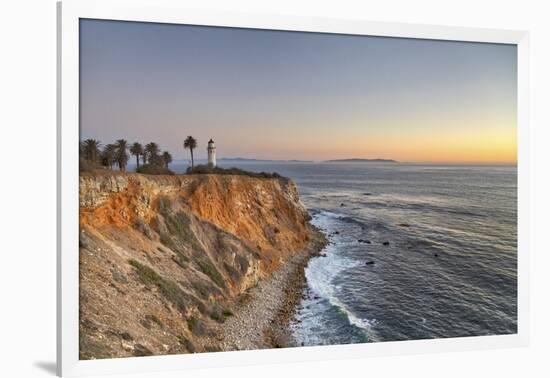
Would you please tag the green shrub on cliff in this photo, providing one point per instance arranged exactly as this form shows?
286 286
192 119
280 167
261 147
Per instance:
154 169
169 289
144 228
218 313
208 268
167 241
187 344
196 326
179 229
151 319
205 288
227 313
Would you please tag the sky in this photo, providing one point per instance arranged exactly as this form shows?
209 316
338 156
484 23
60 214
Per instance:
292 95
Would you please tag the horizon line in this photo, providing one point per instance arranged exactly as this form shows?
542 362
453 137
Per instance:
370 160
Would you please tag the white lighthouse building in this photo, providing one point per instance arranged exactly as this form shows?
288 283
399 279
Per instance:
211 153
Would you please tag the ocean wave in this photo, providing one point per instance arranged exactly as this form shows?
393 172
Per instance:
324 219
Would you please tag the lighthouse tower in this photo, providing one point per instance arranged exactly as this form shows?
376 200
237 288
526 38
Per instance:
211 153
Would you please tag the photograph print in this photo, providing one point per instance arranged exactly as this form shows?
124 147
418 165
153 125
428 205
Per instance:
244 189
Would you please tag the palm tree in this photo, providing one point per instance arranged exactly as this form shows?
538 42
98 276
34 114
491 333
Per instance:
151 152
167 158
91 150
108 156
190 143
137 151
121 154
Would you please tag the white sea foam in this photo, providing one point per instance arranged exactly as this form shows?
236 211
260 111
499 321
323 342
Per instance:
321 271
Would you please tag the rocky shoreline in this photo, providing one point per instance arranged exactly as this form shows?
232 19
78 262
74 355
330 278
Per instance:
262 315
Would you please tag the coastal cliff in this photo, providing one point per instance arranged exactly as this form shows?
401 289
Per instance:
166 260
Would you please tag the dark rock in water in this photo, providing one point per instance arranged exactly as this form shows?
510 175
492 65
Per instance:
342 205
316 297
336 233
367 194
404 225
436 255
323 255
369 263
366 241
386 243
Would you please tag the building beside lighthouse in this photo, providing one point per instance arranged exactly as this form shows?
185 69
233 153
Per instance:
211 149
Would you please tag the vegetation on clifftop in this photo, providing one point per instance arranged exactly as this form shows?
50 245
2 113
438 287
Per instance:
205 169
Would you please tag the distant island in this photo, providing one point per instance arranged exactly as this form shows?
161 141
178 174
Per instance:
263 160
361 161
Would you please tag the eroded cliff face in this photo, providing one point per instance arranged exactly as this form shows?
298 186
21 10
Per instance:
165 258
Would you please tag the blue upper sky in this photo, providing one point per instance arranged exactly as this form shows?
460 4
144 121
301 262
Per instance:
295 95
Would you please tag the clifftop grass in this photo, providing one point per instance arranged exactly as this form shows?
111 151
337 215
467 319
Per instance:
205 169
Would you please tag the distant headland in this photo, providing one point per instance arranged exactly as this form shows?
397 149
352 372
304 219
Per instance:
361 161
263 160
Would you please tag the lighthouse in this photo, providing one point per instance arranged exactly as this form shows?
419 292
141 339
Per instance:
211 153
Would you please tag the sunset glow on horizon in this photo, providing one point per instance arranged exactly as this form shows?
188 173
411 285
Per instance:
293 95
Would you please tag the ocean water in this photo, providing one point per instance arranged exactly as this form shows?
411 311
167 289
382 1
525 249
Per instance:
415 252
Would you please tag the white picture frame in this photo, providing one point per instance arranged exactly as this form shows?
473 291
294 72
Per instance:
69 13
